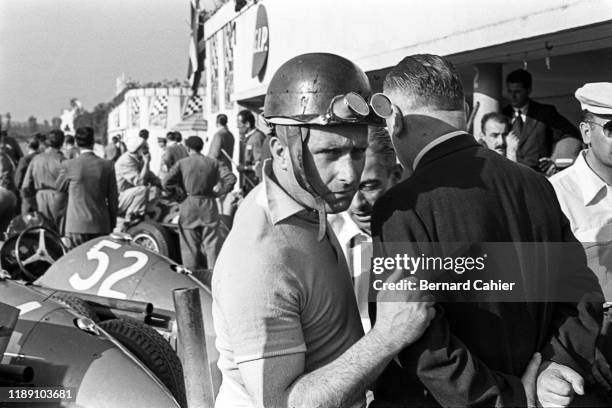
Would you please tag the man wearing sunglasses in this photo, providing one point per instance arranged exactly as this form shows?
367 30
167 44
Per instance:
584 191
479 351
287 323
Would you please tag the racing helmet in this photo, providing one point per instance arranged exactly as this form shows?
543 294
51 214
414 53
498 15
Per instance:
319 89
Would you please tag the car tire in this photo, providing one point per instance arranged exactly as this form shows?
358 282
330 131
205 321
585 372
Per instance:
152 350
76 304
159 239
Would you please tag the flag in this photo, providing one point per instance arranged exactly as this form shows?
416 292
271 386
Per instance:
135 111
194 105
197 47
159 111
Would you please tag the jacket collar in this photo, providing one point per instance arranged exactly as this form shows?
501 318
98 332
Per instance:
446 144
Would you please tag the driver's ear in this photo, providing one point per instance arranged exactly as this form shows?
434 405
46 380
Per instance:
280 152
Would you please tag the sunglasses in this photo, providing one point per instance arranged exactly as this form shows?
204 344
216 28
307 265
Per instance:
607 127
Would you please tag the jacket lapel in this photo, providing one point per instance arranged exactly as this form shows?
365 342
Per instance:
529 124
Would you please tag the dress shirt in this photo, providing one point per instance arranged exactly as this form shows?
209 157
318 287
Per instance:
586 200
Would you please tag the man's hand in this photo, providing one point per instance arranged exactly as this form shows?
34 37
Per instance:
557 384
601 370
529 379
402 316
547 166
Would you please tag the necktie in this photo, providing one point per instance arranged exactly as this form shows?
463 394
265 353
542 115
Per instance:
517 125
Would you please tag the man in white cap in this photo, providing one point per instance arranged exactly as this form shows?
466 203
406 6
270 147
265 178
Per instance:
584 191
134 179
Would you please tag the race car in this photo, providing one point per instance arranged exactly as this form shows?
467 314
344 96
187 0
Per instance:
51 346
108 278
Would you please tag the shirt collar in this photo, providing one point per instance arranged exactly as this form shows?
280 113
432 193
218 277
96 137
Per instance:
86 151
344 227
433 144
280 205
523 109
590 183
250 133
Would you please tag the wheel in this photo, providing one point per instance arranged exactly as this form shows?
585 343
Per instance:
76 304
152 350
154 237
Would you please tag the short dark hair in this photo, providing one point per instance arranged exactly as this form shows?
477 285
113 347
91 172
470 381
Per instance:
587 116
33 144
55 138
69 140
247 116
427 80
177 136
498 117
144 133
84 137
194 143
520 76
379 143
222 119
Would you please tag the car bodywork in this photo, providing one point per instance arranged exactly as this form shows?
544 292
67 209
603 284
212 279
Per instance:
66 350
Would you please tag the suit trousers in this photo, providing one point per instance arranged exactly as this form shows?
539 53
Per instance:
199 246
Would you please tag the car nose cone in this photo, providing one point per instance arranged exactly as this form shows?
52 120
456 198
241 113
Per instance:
116 381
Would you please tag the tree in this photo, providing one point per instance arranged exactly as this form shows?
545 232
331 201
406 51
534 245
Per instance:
32 125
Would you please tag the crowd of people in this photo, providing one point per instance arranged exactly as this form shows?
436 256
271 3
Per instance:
343 176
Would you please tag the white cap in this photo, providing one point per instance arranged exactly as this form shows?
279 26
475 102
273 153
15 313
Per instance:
596 97
134 143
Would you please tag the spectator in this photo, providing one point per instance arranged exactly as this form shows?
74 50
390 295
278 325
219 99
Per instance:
11 147
197 176
70 151
222 145
8 198
460 192
28 204
538 127
352 227
91 186
40 179
251 150
134 181
497 135
585 194
114 149
174 151
144 133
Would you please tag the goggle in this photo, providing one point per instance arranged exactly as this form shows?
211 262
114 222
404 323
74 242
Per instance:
607 127
353 108
348 108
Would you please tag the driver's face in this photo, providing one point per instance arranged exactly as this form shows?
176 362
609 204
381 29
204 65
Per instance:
333 161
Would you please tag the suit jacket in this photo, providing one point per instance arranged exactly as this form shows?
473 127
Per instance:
223 139
172 154
22 166
92 194
475 353
543 128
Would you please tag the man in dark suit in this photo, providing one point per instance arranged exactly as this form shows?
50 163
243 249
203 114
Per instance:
252 150
222 140
92 192
544 134
28 204
475 353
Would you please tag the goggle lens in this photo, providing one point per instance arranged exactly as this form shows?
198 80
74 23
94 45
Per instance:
381 105
356 104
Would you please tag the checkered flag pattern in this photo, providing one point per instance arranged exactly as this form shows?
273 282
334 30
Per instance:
135 111
193 106
159 110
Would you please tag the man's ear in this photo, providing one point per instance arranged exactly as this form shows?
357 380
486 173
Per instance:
395 123
395 174
280 152
585 130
